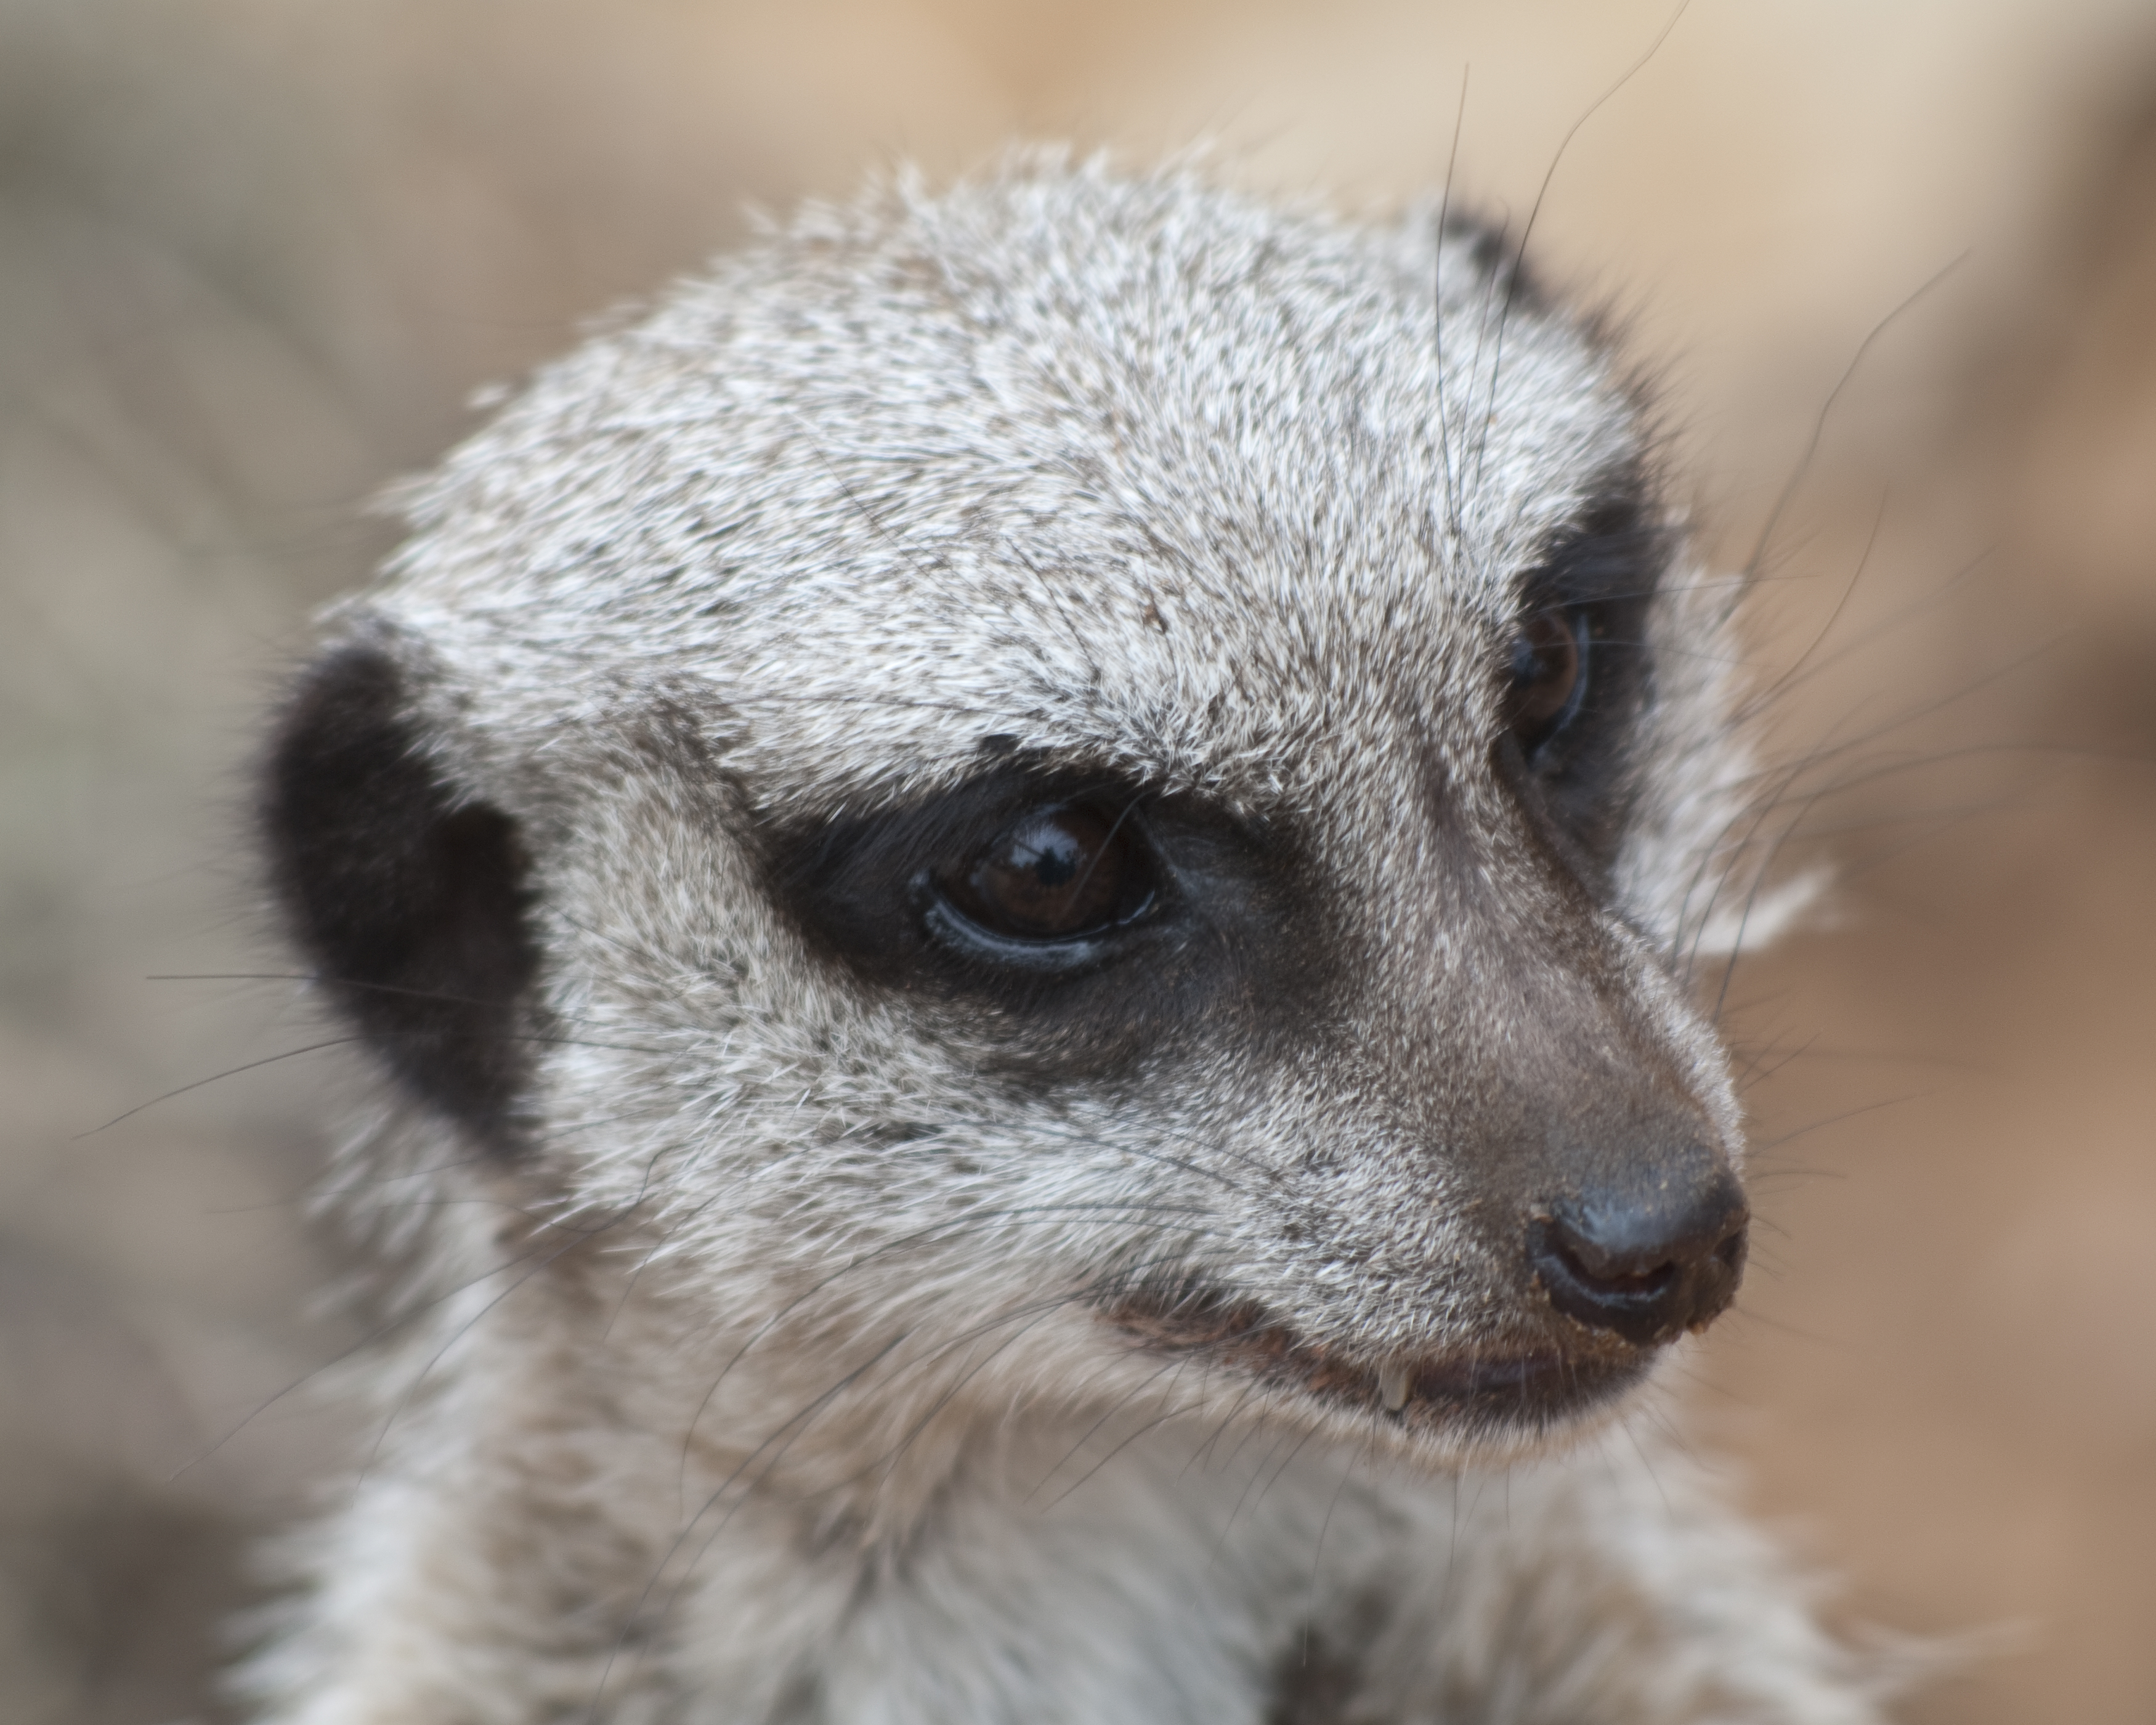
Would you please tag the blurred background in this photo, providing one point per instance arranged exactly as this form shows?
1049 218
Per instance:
256 258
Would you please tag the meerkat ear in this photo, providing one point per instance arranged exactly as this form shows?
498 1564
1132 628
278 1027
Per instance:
411 900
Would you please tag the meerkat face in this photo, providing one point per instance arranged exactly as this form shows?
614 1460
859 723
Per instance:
1076 791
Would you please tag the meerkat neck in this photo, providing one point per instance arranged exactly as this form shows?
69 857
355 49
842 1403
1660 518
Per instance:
1051 1567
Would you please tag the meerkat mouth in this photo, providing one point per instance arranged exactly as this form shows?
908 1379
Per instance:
1516 1383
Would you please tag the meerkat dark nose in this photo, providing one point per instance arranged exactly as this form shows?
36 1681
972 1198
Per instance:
1648 1259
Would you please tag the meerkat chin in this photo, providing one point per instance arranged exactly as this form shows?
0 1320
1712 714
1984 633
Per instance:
1021 873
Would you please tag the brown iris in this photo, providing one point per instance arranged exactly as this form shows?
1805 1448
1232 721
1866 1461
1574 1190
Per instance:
1056 875
1549 675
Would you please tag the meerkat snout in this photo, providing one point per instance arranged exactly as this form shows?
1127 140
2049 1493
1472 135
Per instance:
1024 874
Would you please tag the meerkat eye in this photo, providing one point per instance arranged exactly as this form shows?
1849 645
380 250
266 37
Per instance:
1547 674
1057 875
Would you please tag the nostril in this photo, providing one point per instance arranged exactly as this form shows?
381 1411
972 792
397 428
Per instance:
1647 1265
1645 1283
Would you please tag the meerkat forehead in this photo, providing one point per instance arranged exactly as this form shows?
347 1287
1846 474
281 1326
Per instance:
1138 473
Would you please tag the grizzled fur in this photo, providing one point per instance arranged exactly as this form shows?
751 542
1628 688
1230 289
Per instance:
808 1319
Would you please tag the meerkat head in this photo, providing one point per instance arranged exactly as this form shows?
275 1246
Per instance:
1074 790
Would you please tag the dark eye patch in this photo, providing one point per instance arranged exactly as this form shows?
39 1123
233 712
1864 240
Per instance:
1577 667
1079 923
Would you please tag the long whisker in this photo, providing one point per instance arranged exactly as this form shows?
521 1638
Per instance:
1453 519
1516 275
1802 468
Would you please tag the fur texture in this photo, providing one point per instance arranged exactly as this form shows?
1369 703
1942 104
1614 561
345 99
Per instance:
818 1306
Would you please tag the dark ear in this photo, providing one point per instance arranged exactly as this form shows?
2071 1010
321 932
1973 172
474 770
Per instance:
411 901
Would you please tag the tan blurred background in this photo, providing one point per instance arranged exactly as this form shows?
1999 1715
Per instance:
254 258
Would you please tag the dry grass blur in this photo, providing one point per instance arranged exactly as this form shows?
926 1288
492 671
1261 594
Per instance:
254 257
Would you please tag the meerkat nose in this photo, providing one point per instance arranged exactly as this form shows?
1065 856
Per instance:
1649 1261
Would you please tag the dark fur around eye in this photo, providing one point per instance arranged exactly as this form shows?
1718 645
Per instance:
971 902
1598 582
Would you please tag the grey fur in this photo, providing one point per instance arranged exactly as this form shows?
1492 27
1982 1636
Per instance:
776 1361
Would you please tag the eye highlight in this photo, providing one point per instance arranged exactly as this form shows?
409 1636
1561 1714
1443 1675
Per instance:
1546 676
1057 875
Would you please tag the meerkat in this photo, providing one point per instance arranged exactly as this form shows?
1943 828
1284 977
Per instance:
1024 874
